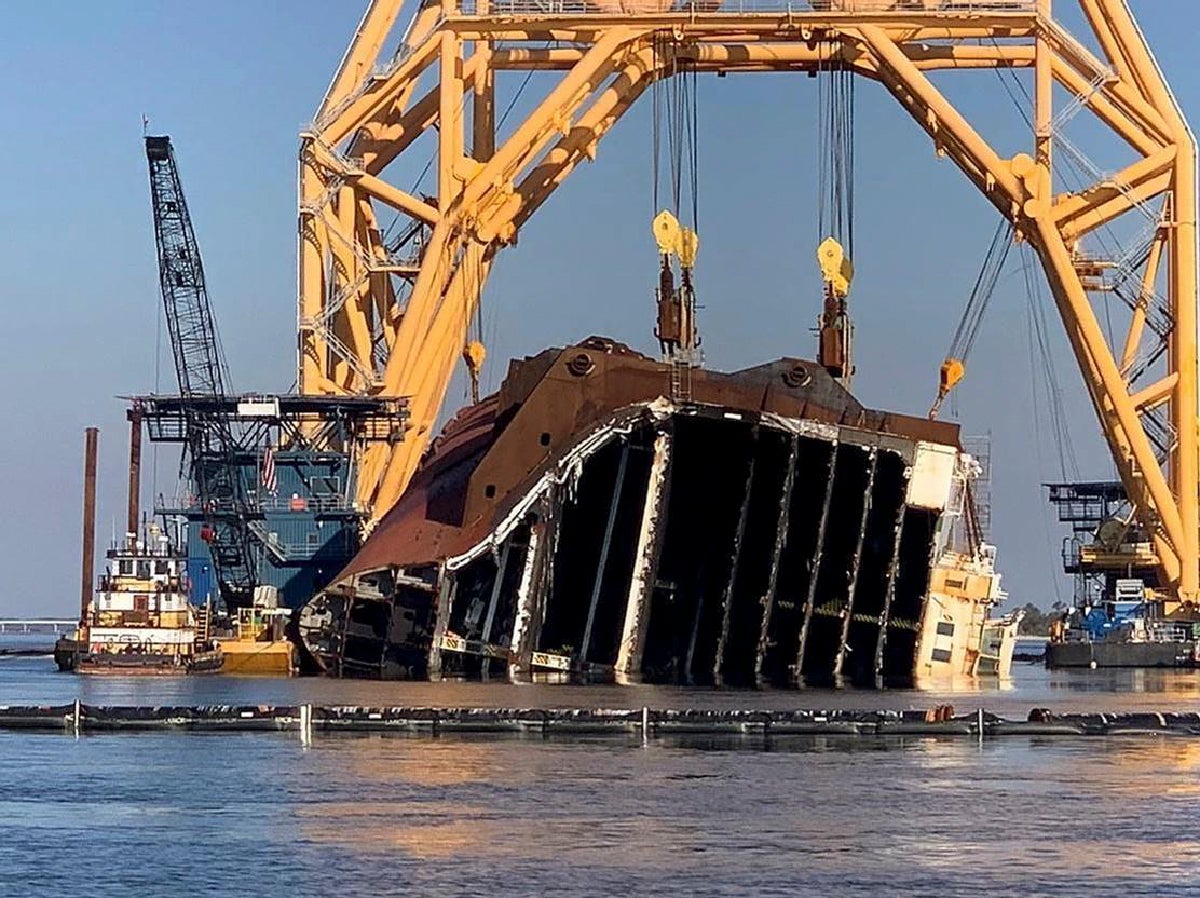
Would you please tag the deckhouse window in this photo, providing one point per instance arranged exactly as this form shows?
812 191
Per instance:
126 567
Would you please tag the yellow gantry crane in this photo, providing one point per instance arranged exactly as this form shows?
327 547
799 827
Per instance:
387 310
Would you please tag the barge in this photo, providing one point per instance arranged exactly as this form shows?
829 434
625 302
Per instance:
1127 630
254 640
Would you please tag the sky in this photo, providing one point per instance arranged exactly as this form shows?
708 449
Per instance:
233 83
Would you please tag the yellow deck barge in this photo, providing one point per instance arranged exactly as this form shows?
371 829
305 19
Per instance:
258 646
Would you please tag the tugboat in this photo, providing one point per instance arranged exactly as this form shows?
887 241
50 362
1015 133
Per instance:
140 621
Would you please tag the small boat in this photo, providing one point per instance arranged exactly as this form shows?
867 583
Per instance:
140 622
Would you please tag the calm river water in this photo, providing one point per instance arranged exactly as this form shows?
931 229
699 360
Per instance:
259 814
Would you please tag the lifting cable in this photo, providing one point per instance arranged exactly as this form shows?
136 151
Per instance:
1076 178
1041 361
474 350
1042 364
954 368
675 134
675 112
836 102
835 215
1077 174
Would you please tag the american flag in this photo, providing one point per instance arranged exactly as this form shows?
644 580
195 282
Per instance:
267 471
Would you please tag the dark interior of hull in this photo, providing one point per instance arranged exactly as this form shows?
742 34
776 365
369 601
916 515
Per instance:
806 506
836 563
876 573
908 603
710 468
594 552
774 558
483 605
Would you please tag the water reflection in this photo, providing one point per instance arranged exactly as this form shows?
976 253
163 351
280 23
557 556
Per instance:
720 815
1133 680
468 814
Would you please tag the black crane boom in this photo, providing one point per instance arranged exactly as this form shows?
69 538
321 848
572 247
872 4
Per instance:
199 363
213 457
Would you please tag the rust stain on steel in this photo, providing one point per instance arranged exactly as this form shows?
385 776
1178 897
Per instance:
88 568
477 468
852 586
890 592
609 524
527 603
738 536
815 566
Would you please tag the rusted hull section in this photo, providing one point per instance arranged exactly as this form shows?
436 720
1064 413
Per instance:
377 626
690 542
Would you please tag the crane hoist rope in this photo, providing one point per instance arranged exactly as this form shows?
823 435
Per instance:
675 121
836 102
1044 372
954 368
474 350
675 112
835 218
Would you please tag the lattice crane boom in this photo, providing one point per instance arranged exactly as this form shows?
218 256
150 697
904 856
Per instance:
199 363
211 447
375 317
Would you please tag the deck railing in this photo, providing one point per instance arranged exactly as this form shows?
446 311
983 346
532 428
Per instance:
320 503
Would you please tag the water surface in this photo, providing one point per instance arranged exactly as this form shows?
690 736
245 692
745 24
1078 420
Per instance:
370 815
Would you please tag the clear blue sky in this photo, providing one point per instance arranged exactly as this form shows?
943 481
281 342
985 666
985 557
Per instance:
233 83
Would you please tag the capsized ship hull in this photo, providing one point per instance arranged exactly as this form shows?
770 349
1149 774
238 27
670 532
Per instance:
763 527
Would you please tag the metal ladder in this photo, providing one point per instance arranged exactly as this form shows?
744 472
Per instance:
681 378
203 624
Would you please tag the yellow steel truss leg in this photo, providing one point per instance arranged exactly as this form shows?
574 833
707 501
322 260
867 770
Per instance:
1137 323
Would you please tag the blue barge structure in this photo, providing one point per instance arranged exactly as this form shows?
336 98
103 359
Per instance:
1119 617
290 522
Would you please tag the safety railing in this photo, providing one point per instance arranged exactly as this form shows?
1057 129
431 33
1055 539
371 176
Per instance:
654 7
318 504
321 503
1170 632
292 550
